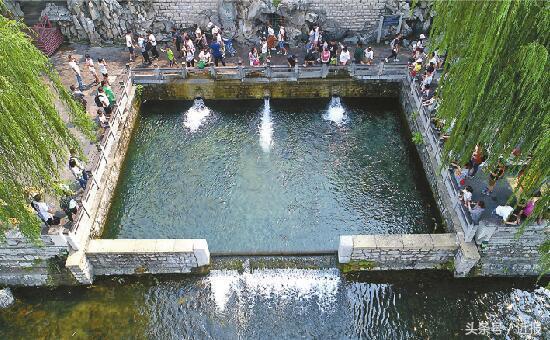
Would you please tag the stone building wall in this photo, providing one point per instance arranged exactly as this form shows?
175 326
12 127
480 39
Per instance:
27 263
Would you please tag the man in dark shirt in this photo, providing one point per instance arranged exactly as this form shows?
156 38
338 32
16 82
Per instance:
359 54
291 60
217 53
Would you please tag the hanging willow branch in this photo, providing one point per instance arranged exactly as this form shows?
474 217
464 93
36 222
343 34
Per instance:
496 84
33 137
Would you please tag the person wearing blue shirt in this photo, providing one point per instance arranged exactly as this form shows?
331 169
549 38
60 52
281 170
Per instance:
217 53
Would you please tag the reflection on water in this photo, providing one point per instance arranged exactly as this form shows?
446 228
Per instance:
318 183
278 304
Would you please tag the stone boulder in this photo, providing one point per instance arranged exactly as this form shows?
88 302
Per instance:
6 298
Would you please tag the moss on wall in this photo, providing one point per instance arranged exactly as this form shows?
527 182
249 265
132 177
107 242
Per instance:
250 89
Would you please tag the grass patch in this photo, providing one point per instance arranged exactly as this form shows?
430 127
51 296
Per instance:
358 265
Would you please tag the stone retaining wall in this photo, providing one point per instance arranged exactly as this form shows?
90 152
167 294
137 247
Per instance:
509 254
407 251
398 252
131 257
27 263
235 89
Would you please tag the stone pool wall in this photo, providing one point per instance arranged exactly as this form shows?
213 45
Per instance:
304 88
508 254
33 263
406 252
134 257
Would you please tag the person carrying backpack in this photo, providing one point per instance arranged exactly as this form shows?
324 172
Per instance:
102 101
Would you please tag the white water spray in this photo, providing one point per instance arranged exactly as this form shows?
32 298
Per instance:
196 115
266 127
335 112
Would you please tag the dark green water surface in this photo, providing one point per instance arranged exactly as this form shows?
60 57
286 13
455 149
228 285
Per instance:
293 182
263 303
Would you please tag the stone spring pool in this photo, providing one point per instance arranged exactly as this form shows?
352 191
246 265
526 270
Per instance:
254 176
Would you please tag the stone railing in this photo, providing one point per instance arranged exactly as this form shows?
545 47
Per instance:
101 166
270 72
419 116
407 251
136 256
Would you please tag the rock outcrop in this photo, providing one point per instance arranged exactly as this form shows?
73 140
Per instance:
106 21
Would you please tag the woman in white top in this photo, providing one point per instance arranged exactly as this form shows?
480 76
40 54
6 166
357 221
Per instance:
204 58
344 56
153 42
44 211
369 55
189 52
281 39
90 64
103 70
130 45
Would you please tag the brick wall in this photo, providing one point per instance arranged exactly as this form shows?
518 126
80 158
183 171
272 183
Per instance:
183 12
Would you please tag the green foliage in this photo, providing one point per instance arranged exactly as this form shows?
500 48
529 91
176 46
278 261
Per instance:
417 138
276 3
139 92
34 140
495 88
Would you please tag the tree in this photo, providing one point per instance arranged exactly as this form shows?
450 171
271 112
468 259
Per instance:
33 138
495 86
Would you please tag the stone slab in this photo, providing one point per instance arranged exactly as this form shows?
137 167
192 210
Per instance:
417 241
389 241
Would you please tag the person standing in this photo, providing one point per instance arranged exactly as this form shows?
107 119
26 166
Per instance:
177 40
189 52
130 44
102 101
325 56
103 69
344 56
217 53
316 35
494 176
204 58
271 38
142 44
153 41
475 161
369 55
394 45
79 173
359 54
89 62
253 56
108 92
74 66
281 38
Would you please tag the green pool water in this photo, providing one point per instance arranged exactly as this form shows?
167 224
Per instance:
263 303
279 176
